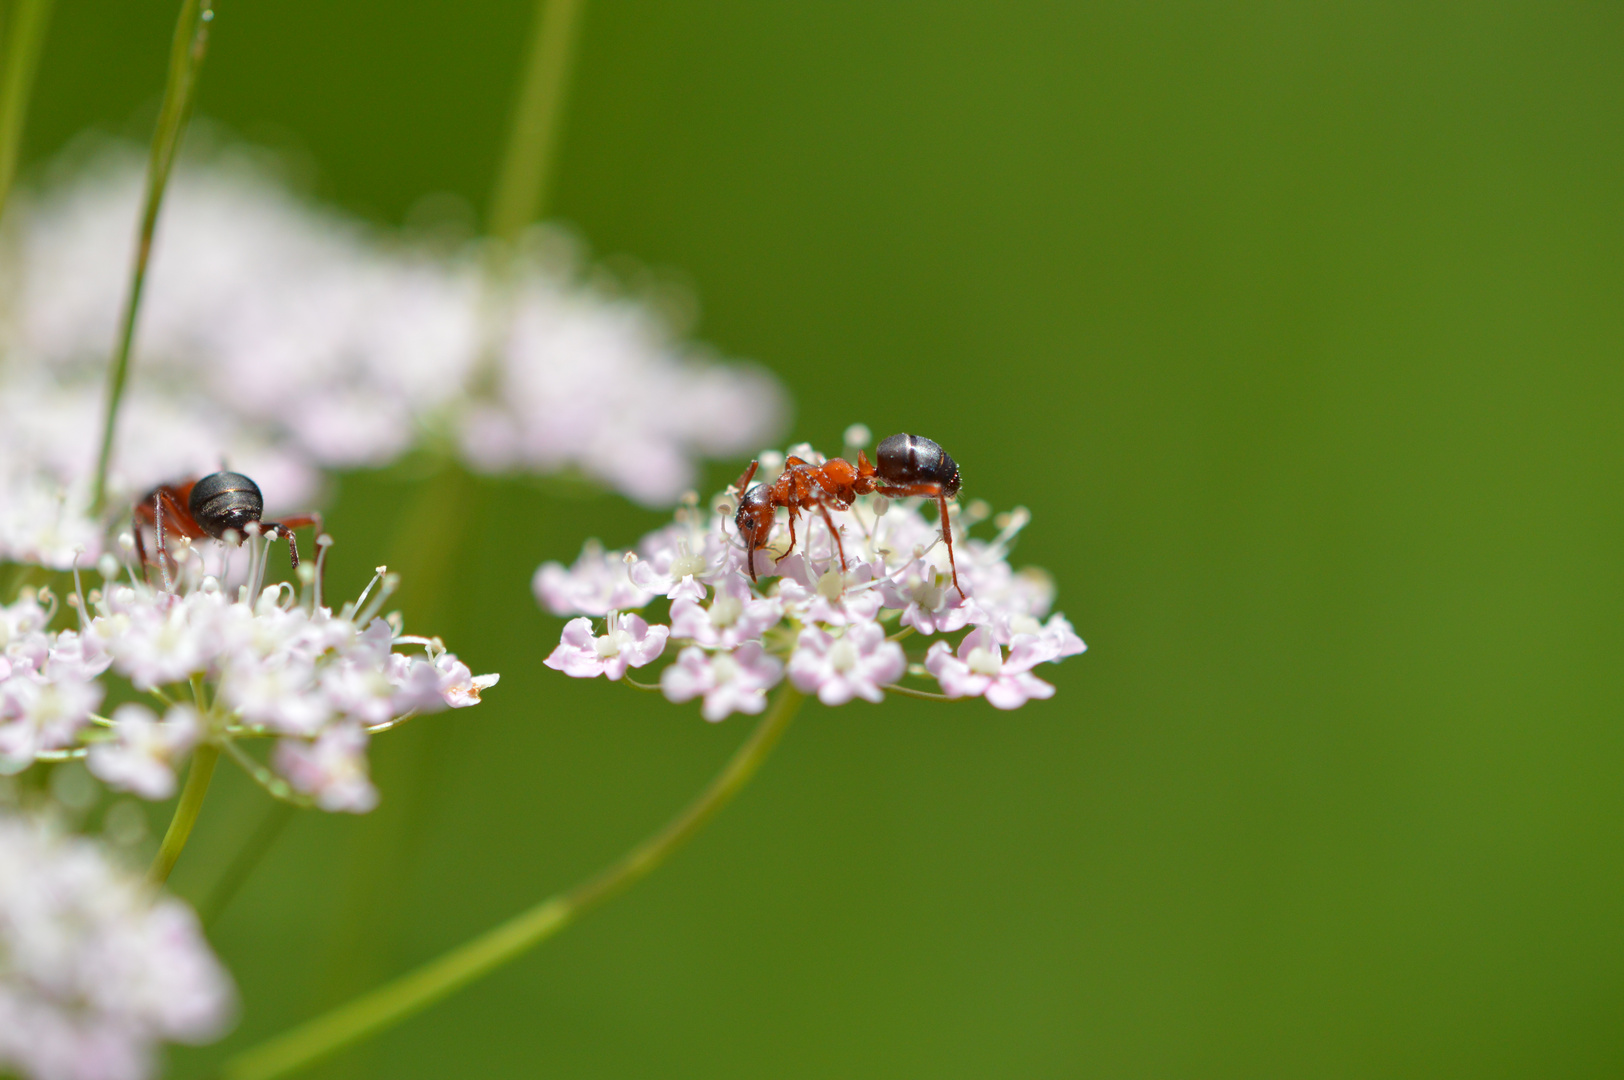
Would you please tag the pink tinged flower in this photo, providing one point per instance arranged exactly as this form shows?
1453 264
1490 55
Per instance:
930 603
730 682
142 754
158 644
429 685
280 693
458 686
1056 640
684 585
415 684
597 584
734 616
856 664
38 713
332 768
834 599
676 562
360 689
627 642
1004 594
980 670
76 657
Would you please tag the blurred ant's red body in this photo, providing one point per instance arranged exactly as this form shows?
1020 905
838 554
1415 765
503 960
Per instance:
908 465
217 504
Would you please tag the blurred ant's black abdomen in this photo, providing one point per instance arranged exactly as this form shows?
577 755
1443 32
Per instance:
225 502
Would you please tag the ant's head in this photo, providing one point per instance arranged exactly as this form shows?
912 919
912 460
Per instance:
226 501
755 520
906 460
755 516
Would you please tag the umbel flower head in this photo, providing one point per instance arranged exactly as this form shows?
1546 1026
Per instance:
290 339
839 634
96 967
225 665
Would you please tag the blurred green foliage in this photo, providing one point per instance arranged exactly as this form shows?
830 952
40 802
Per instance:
1298 326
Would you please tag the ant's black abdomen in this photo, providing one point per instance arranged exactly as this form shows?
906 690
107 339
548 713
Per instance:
914 459
225 501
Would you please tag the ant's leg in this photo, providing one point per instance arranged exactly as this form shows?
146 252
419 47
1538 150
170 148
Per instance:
298 521
744 481
280 530
934 491
158 532
181 523
302 521
311 520
835 533
947 535
140 545
792 513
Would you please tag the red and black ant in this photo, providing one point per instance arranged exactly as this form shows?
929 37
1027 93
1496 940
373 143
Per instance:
908 465
217 504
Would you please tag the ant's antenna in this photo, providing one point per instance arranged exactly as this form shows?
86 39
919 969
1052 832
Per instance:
158 528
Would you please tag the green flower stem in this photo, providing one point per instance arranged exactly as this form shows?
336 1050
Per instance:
395 1001
24 34
191 801
185 62
521 184
922 695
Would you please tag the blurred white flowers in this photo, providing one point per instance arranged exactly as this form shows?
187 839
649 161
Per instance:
141 754
287 339
836 635
96 968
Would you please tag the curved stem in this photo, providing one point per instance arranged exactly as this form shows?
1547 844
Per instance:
185 61
395 1001
25 33
276 787
521 185
923 695
191 801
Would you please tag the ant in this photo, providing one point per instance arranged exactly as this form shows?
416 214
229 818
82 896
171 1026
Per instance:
908 465
217 504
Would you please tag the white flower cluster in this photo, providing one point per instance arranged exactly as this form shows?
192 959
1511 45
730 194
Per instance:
287 339
225 668
837 635
96 968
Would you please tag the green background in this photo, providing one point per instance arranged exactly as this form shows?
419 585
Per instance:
1297 326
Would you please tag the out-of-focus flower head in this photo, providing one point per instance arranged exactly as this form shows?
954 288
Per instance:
840 635
229 666
97 969
287 339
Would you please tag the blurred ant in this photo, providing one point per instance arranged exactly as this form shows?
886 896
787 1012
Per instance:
908 465
217 504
